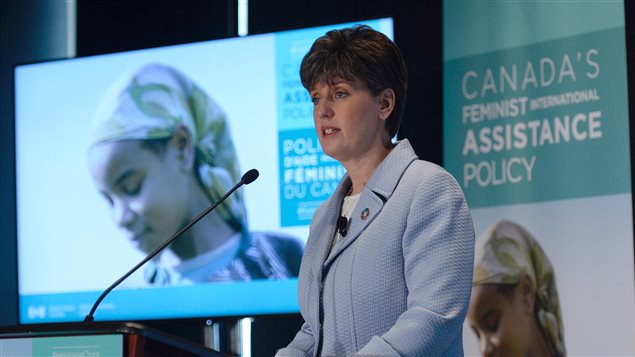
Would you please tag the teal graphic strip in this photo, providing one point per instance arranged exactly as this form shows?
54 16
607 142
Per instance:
307 176
230 299
540 122
474 27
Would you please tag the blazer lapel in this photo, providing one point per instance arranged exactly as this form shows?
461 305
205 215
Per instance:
368 207
327 224
378 190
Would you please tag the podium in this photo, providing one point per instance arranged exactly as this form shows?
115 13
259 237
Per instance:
96 339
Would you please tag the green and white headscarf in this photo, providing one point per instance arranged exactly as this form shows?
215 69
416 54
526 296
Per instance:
504 255
155 99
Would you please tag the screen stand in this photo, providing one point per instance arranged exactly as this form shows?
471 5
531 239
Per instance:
232 336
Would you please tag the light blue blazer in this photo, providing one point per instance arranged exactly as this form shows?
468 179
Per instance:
399 283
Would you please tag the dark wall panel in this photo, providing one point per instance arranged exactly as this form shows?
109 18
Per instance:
29 31
112 26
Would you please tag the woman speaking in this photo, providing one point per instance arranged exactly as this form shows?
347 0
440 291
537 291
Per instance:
387 267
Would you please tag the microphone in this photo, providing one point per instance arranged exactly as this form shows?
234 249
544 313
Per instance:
249 177
342 225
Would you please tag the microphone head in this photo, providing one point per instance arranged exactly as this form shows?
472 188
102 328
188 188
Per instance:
342 226
342 222
250 176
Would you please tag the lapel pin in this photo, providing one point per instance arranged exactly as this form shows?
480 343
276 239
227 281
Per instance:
365 213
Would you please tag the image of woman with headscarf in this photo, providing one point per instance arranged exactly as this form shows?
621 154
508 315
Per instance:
160 154
514 308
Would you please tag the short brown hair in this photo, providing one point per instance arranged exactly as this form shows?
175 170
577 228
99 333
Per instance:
359 53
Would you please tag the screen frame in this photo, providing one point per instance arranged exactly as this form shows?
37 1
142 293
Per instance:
16 191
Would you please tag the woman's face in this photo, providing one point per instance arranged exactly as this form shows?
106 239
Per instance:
348 119
146 190
503 324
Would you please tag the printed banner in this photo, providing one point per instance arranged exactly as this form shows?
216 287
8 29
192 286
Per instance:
540 122
536 132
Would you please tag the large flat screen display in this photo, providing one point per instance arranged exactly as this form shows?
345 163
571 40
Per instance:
115 153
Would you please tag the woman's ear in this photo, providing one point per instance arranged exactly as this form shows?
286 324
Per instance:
387 103
527 292
182 142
